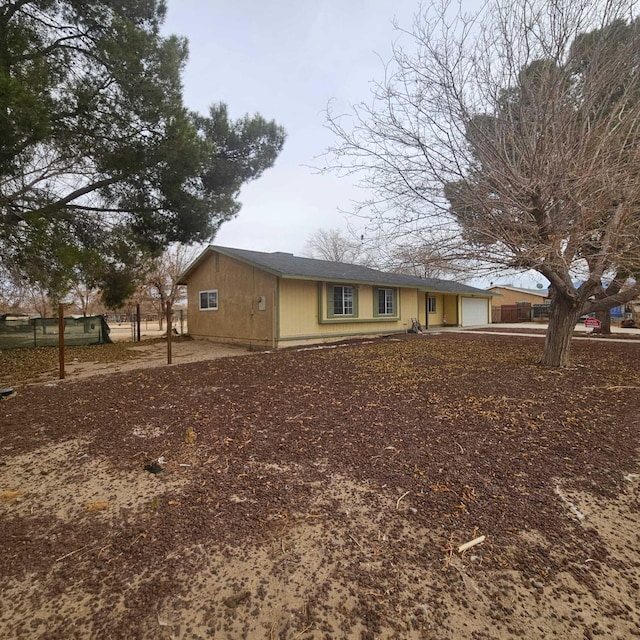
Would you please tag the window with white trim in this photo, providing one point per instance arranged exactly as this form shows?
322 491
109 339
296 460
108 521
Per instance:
386 302
342 300
431 304
209 300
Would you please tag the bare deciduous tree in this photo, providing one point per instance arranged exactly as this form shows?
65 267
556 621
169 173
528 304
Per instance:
335 246
85 297
38 299
160 284
22 295
513 136
12 292
428 262
377 251
421 257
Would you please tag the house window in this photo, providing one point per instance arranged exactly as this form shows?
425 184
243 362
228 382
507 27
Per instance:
209 300
431 304
342 300
386 303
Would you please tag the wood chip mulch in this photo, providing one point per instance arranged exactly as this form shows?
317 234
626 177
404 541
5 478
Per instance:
466 429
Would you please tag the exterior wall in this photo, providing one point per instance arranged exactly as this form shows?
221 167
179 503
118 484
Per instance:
408 308
507 297
257 309
452 310
298 309
422 309
238 319
303 314
435 319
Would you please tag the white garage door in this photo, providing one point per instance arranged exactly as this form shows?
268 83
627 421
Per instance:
475 311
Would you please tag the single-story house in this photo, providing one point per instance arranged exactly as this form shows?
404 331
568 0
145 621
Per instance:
271 300
516 304
513 295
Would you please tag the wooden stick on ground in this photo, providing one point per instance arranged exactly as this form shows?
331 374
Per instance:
66 555
404 495
359 545
471 543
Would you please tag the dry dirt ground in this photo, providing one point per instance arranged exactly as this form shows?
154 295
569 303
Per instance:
325 493
41 365
152 353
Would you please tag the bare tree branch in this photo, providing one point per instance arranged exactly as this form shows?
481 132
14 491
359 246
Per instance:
511 138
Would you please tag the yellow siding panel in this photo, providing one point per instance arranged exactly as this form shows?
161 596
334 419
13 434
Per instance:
421 301
408 306
435 319
298 307
303 313
451 315
513 297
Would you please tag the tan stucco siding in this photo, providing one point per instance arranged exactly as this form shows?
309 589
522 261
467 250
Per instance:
239 318
303 312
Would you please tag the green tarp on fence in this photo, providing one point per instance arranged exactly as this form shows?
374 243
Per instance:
21 331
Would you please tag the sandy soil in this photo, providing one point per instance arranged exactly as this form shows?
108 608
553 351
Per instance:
154 354
325 493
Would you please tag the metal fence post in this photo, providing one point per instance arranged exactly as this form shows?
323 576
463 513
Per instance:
169 328
61 339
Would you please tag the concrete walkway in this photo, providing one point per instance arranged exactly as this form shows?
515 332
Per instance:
524 329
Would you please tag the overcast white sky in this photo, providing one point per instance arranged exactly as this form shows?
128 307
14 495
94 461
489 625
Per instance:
285 59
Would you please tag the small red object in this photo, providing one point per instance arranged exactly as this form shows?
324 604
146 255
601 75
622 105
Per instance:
594 323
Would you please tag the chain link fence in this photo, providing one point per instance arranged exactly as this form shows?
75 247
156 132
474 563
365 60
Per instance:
21 331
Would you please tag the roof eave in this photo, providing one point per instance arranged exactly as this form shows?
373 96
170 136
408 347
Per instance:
182 280
252 263
407 285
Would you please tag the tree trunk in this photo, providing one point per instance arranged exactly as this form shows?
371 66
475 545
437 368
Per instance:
162 315
563 316
605 321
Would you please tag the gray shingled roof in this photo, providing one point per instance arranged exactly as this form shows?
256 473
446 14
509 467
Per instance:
286 265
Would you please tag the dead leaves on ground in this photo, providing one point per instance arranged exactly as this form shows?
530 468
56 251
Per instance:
11 496
40 363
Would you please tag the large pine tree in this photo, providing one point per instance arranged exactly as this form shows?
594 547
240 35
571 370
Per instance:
99 158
